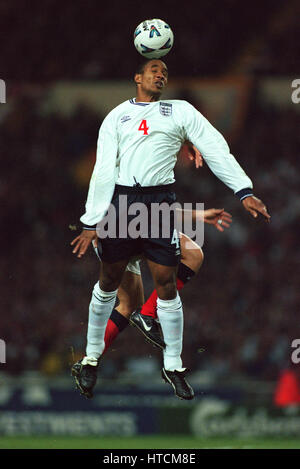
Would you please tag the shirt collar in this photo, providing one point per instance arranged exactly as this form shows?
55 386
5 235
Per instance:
139 103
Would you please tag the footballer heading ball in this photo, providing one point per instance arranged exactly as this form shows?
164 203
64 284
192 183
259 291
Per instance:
153 38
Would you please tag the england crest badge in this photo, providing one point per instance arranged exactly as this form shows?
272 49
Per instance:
165 109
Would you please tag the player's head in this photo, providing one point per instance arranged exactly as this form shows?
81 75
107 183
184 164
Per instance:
151 77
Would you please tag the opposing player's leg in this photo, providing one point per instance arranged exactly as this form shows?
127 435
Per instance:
101 306
191 260
131 297
131 290
191 255
170 314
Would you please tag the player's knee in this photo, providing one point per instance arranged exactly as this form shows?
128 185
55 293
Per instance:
198 258
109 283
166 288
193 258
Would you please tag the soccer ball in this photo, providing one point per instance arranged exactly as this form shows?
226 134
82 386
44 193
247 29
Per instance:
153 38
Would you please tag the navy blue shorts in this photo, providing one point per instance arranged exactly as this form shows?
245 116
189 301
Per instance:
151 233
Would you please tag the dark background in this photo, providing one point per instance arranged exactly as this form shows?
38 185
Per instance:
52 40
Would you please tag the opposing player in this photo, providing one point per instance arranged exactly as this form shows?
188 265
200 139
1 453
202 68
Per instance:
137 147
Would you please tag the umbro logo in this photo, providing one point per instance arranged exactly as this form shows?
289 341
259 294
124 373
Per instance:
125 119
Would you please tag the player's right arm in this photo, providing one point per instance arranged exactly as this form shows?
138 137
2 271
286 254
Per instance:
101 186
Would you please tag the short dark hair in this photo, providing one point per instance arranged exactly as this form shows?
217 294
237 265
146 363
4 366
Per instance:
141 67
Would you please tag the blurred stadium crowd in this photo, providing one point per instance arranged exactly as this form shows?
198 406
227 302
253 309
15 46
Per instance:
87 40
241 310
242 307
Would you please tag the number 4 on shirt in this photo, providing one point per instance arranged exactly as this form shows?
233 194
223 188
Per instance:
144 127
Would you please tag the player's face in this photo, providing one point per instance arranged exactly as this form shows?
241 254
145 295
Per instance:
154 78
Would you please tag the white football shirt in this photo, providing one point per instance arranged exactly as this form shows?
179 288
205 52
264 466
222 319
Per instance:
139 142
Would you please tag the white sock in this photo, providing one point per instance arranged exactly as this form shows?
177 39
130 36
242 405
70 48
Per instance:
170 315
101 306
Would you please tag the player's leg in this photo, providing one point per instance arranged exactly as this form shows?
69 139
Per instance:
100 308
170 314
191 255
131 290
115 254
131 297
102 303
191 260
163 256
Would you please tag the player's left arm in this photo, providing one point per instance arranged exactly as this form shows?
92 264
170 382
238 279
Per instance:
215 151
251 203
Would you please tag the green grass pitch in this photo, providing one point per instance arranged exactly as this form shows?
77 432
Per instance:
144 442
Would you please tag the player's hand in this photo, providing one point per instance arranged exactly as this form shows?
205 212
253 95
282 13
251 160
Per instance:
194 154
214 216
82 242
217 217
255 206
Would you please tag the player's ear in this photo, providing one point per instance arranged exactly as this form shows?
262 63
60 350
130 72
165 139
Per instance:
138 78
